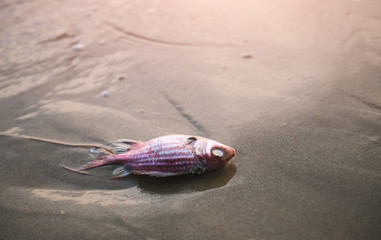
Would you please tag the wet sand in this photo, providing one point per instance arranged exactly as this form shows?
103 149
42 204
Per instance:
293 86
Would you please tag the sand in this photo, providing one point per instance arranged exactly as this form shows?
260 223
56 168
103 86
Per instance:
293 86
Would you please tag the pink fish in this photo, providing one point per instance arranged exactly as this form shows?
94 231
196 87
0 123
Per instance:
170 155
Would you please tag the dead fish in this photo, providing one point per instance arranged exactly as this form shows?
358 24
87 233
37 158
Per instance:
170 155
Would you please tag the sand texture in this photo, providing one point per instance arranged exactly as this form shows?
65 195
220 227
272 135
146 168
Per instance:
293 86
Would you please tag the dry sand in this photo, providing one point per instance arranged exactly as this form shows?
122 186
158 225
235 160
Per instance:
293 86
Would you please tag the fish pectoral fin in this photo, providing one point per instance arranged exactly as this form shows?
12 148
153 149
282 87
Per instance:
123 145
198 169
157 173
120 172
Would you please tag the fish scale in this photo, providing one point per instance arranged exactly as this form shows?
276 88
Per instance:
172 158
160 155
166 156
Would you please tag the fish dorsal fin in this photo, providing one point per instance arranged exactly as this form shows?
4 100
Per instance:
120 172
123 145
191 139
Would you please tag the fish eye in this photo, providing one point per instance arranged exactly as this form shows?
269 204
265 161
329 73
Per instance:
218 152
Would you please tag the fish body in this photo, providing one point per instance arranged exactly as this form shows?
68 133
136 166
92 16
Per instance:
169 155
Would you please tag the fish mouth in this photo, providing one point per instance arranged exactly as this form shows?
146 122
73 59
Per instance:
231 153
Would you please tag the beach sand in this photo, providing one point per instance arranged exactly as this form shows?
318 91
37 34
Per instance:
293 86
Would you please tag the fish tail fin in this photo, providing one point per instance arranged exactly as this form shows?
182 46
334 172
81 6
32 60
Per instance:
101 155
120 172
99 161
123 145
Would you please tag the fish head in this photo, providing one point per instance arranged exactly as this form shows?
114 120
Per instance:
217 155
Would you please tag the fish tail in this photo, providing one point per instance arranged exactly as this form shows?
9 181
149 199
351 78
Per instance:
102 157
99 161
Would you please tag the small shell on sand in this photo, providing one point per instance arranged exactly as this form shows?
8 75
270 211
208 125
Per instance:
104 94
78 46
